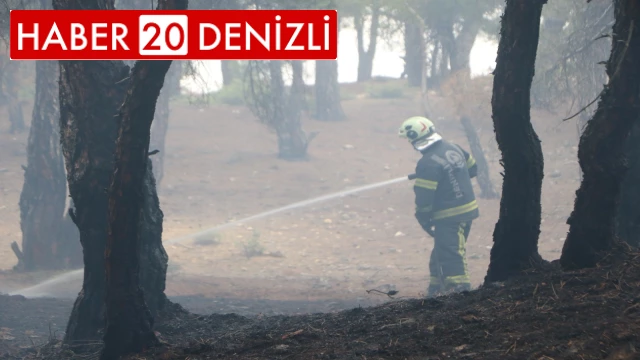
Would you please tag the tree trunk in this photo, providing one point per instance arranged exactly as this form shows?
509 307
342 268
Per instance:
91 93
366 56
425 107
601 152
161 122
153 257
129 321
463 45
298 96
484 179
327 89
434 79
47 243
14 106
516 233
443 63
414 53
628 212
292 141
449 48
227 72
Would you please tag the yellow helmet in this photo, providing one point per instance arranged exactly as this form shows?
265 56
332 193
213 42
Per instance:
419 131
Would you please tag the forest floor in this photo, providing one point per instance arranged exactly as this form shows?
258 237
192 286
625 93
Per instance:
549 314
221 165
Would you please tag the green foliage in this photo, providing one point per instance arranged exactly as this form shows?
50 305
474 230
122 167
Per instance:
386 90
232 94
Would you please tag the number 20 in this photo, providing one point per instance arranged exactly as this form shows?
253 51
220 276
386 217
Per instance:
151 45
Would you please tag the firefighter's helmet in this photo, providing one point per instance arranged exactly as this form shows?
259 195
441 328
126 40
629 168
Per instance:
419 131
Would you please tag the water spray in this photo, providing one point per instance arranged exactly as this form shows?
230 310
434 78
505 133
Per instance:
291 207
39 290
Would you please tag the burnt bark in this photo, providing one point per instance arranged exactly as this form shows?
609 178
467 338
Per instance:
414 53
601 152
129 321
160 124
484 179
366 55
516 233
91 94
327 91
154 260
628 212
48 242
14 105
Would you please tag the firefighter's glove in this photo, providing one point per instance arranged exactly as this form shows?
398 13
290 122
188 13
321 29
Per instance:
425 222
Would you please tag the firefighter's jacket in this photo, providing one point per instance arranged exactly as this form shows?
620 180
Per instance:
443 184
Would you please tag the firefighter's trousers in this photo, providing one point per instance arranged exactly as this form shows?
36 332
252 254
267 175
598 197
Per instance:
448 264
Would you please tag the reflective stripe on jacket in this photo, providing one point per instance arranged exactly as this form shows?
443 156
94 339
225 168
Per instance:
443 184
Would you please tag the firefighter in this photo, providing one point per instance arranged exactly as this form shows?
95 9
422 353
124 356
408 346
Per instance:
445 203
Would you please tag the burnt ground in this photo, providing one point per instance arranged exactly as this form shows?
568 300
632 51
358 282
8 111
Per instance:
548 314
25 322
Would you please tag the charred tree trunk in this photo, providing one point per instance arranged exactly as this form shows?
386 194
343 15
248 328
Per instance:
14 106
129 321
366 56
327 91
227 72
159 131
601 152
484 179
414 53
154 260
161 122
628 212
47 242
516 233
292 141
298 88
91 94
